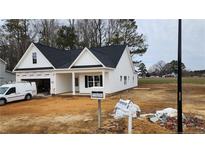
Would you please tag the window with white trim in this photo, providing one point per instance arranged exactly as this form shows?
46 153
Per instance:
93 81
34 57
125 80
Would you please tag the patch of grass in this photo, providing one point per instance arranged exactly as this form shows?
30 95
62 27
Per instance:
157 80
192 80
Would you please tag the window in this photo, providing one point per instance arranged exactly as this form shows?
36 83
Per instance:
93 81
34 57
3 90
97 81
90 81
125 80
120 78
76 82
11 91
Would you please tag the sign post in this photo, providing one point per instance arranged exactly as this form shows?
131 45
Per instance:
130 123
99 113
99 95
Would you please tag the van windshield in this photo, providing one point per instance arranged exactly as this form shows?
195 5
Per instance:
3 89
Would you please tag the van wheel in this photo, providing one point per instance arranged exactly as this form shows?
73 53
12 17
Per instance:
2 101
28 97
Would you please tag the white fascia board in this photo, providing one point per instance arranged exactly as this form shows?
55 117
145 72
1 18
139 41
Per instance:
45 57
25 54
28 71
84 50
74 69
129 56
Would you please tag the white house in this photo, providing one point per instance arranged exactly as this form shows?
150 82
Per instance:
5 75
109 69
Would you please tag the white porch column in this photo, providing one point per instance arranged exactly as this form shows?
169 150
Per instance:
73 83
53 84
103 80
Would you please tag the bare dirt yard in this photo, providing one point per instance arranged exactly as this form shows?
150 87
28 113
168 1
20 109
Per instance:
67 114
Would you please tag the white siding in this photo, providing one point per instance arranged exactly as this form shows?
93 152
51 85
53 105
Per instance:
27 61
86 58
82 83
38 75
63 83
124 68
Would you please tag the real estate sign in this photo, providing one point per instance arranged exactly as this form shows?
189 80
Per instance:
97 95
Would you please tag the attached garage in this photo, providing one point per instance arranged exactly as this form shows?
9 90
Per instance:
43 80
43 85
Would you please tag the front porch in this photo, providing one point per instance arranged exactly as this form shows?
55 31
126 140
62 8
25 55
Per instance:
80 82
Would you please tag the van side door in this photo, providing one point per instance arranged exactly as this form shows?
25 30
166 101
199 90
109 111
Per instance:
11 94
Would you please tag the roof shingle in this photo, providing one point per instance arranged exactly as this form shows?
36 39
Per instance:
109 55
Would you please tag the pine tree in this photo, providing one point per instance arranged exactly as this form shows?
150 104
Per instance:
142 70
124 31
66 38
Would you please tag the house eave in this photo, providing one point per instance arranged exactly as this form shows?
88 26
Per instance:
87 66
33 69
64 69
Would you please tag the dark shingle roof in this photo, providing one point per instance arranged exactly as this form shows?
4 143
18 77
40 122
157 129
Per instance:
59 58
109 55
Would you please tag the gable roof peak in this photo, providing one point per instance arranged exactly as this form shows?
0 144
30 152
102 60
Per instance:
109 56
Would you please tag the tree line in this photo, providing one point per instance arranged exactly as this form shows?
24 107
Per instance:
17 34
160 69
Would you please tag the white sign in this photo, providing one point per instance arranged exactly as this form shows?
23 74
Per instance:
97 95
124 108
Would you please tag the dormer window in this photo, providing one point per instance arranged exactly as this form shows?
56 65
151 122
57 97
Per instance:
34 57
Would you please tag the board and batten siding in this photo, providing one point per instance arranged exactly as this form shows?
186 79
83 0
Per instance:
86 58
27 62
63 83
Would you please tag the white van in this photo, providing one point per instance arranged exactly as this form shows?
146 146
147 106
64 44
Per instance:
17 91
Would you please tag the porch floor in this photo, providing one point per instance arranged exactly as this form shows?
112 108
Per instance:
76 94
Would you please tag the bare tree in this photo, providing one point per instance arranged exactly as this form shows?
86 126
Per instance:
158 68
72 23
48 29
16 35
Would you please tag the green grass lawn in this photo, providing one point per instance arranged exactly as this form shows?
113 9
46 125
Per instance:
193 80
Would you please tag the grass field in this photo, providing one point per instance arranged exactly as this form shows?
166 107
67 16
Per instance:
191 80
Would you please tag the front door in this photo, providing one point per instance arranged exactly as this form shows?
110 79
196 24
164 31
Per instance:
77 84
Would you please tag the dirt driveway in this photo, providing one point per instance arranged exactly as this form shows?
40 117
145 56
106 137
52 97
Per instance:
67 114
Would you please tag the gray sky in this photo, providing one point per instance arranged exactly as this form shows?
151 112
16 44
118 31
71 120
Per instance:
161 37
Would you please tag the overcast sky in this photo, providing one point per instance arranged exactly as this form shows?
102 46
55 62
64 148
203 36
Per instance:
161 37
